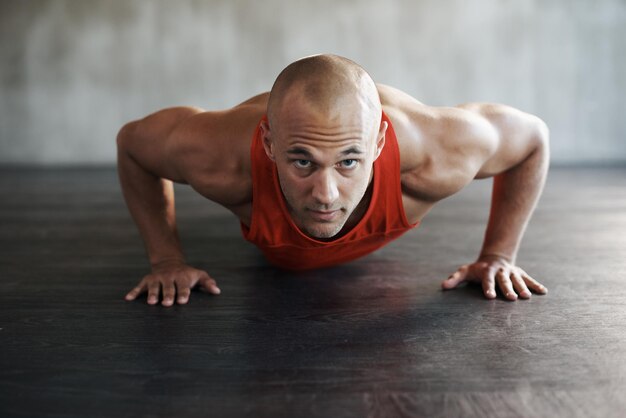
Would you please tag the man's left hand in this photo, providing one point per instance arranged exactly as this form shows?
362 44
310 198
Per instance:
489 270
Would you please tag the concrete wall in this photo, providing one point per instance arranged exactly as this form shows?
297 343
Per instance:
72 72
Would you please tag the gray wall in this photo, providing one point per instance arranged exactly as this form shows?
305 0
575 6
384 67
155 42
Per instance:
72 72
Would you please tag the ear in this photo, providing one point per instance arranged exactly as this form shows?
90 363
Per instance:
380 139
266 135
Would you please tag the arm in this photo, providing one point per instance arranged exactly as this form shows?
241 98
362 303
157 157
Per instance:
519 165
147 167
514 197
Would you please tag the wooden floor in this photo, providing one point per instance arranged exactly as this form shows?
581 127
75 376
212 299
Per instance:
374 338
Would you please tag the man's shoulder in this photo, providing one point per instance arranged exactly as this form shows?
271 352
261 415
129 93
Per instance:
441 148
215 148
223 127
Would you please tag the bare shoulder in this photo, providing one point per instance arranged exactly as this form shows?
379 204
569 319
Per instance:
209 150
213 150
441 148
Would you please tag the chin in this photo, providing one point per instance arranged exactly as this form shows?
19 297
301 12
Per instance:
323 231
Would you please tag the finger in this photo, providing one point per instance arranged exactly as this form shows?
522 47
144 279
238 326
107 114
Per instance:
136 291
520 286
183 294
153 292
534 285
209 285
455 278
169 291
504 282
489 284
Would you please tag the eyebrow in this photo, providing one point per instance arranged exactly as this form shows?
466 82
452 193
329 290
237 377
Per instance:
299 151
302 151
352 150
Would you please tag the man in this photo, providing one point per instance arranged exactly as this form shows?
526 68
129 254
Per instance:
337 167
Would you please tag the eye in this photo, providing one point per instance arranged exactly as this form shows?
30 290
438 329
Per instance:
302 163
349 163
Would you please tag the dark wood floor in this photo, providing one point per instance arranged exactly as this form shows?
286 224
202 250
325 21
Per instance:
373 338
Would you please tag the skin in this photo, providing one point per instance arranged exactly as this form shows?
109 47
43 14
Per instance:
324 158
324 161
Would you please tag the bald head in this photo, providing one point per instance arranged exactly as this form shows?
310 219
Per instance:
327 84
324 134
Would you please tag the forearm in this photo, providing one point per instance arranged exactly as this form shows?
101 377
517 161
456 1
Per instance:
150 200
514 198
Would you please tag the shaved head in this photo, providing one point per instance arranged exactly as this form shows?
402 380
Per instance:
324 132
327 84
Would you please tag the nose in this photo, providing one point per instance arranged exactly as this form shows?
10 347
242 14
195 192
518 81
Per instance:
325 190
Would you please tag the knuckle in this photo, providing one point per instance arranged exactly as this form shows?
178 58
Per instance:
492 270
182 285
505 281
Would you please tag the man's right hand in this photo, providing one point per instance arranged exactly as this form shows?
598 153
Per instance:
173 280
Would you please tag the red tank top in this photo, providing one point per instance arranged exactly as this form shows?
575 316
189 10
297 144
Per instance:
283 244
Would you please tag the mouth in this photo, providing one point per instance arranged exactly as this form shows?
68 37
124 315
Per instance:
324 215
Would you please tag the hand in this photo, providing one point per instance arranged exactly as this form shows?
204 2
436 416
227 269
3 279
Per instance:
488 271
174 278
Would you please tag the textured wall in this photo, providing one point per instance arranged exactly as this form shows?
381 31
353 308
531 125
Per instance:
72 72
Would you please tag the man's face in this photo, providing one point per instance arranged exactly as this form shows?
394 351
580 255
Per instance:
324 162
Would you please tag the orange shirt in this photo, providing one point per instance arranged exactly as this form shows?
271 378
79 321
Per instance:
283 244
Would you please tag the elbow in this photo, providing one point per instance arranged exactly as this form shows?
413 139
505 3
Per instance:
541 138
125 135
542 143
542 133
